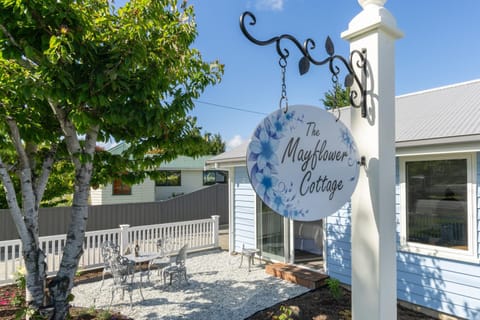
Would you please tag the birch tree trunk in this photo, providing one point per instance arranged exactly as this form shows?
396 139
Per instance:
82 158
61 285
26 218
27 228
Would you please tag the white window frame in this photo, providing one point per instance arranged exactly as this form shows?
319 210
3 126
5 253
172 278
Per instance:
470 255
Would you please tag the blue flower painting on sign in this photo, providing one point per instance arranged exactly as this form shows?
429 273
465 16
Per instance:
302 160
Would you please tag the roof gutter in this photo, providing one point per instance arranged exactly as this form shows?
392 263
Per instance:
437 141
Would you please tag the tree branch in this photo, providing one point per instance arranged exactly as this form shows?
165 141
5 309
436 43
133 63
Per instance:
70 132
30 211
10 37
31 150
91 139
41 183
17 142
12 201
27 223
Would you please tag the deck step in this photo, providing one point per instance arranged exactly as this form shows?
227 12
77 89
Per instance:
304 277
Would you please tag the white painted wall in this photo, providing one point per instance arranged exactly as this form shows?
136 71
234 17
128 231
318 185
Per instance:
96 196
191 181
143 192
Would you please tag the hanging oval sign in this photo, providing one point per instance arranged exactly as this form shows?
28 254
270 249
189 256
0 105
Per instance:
303 163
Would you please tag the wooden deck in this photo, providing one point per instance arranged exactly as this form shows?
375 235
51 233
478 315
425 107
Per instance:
304 277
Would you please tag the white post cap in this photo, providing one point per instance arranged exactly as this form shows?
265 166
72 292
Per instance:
364 3
373 16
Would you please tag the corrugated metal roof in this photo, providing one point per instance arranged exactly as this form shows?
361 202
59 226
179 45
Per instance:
451 111
185 163
118 148
236 154
181 162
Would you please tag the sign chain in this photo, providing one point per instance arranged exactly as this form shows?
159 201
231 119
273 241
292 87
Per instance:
283 97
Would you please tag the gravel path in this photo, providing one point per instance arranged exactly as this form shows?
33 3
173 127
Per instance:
217 289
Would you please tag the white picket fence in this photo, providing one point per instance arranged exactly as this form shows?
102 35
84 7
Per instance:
198 234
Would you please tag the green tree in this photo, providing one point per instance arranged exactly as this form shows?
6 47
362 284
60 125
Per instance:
338 97
215 143
59 188
75 73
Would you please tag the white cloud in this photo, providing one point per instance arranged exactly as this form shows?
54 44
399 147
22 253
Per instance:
271 5
234 142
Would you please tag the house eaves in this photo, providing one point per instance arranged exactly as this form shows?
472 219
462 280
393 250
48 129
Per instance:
230 158
474 138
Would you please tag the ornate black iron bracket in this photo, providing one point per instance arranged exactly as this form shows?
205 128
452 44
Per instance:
358 96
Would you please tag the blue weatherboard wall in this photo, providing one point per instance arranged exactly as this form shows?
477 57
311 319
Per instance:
244 210
338 245
444 285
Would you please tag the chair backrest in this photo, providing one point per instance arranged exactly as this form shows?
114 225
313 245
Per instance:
181 256
164 246
123 270
109 251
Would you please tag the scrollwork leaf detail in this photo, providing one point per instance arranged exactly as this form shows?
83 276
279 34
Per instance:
303 65
329 47
348 80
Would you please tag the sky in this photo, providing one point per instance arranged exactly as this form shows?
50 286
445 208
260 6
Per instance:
441 46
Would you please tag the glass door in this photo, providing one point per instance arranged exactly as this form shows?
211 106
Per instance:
271 231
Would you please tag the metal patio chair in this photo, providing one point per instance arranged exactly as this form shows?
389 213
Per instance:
109 251
250 254
123 271
164 248
178 268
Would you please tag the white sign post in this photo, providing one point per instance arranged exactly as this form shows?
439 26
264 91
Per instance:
373 202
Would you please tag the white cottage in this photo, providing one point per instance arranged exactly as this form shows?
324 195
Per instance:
177 177
437 206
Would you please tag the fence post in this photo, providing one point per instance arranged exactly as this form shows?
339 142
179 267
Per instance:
124 237
216 224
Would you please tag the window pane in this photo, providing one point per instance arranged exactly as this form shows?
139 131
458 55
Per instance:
221 177
120 188
208 177
270 228
437 202
214 176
